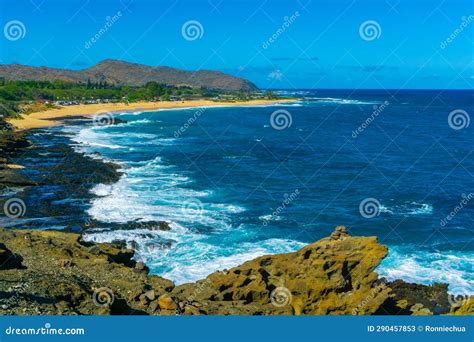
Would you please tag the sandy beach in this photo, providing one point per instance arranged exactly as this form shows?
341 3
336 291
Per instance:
47 118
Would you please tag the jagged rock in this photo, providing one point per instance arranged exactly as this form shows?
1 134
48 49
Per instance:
419 310
339 233
151 295
330 276
166 302
143 299
65 263
153 306
117 121
334 275
11 177
57 290
141 267
132 225
9 260
464 307
405 295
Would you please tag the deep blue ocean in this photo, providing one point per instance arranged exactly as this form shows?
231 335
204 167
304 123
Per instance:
239 182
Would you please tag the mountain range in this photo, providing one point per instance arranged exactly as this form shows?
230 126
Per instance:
125 73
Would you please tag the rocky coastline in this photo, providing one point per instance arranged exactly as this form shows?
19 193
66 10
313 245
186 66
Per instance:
56 272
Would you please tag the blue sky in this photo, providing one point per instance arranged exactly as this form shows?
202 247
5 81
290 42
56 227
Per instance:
322 45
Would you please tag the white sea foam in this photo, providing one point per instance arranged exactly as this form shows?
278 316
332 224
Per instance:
140 122
339 101
150 190
192 256
153 190
270 218
454 268
92 137
188 266
408 208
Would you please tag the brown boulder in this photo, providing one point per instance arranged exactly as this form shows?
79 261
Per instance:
331 276
166 302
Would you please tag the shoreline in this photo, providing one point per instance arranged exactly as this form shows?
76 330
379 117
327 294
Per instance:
346 285
394 296
52 117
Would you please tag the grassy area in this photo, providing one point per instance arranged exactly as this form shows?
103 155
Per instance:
23 97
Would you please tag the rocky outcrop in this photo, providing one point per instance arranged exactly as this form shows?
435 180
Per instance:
332 276
415 299
12 143
462 306
61 274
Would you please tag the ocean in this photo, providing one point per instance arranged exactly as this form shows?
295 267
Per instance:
239 182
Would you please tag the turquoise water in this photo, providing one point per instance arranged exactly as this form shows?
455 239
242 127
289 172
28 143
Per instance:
235 185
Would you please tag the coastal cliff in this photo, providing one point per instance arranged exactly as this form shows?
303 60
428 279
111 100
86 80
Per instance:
57 273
